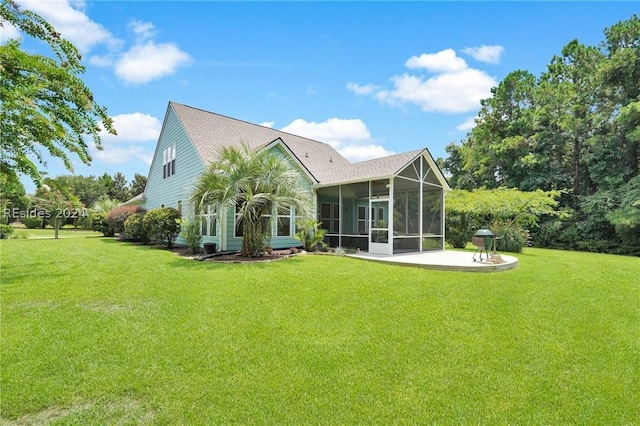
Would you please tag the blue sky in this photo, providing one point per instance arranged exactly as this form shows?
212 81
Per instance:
370 78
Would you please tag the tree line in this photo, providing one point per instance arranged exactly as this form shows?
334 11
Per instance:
573 133
573 129
82 192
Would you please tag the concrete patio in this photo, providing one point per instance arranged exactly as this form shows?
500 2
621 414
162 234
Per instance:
446 260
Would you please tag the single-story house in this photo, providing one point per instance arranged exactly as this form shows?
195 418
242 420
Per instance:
388 205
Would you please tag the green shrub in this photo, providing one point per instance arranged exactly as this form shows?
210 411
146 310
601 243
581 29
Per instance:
162 225
459 228
32 222
20 234
134 228
548 234
6 231
192 234
511 237
99 224
339 251
310 234
83 220
117 216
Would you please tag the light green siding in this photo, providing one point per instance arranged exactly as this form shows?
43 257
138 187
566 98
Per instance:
169 191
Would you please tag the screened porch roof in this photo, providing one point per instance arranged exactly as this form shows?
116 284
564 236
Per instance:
379 168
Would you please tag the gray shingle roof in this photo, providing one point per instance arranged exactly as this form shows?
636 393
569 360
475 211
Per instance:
209 132
365 170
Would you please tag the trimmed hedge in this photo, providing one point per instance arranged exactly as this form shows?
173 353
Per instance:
99 224
134 228
117 216
32 222
162 225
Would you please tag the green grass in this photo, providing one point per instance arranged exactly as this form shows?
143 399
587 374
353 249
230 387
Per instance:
99 331
49 233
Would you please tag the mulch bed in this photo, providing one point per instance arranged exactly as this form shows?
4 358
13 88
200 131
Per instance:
234 257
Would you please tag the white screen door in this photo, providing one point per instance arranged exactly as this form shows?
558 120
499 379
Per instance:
379 238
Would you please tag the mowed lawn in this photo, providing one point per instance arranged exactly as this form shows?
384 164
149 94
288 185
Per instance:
96 331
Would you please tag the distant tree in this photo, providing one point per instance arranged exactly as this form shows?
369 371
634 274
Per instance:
119 190
621 74
59 207
493 152
45 104
137 185
626 218
575 128
571 86
107 182
454 169
87 188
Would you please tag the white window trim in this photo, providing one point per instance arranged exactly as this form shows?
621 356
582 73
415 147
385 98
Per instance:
169 162
289 216
206 218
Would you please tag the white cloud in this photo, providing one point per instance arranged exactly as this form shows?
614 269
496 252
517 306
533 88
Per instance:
8 31
145 61
134 127
268 124
144 30
123 154
356 153
333 131
150 61
441 62
455 87
362 90
484 53
467 125
449 93
350 137
128 145
70 20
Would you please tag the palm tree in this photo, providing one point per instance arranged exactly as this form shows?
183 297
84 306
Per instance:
253 184
105 205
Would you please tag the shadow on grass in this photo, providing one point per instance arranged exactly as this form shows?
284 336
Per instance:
193 264
24 273
185 263
133 244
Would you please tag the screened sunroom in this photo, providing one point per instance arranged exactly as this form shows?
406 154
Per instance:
396 207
